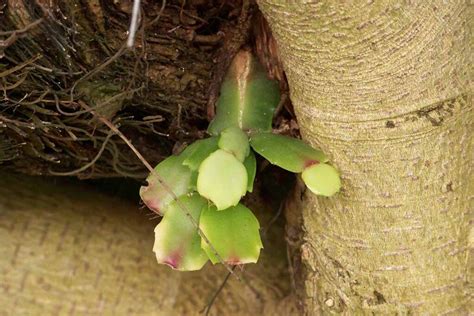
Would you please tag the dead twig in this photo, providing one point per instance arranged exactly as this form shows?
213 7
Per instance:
163 4
207 309
14 35
88 165
133 23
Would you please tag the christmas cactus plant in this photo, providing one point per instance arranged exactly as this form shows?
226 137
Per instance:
198 192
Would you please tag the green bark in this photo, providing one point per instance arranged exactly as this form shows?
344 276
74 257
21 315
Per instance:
383 89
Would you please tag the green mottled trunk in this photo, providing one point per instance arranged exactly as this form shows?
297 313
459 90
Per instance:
383 88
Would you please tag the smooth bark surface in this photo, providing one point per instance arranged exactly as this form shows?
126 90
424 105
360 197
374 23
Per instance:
383 88
68 250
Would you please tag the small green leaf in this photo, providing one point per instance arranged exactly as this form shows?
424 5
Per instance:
177 241
234 233
250 164
177 178
288 153
235 141
247 97
322 179
195 153
193 182
222 179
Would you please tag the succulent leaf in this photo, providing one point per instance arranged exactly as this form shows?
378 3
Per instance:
248 97
193 182
235 141
177 241
177 178
222 179
288 153
250 164
195 153
322 179
234 233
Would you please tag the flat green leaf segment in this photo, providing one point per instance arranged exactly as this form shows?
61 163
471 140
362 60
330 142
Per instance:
177 242
195 153
235 141
322 179
176 176
288 153
222 179
234 233
247 98
250 164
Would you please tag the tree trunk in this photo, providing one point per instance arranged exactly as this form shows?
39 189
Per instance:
383 88
68 250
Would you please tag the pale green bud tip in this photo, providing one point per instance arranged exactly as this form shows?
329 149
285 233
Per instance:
222 179
235 141
322 179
